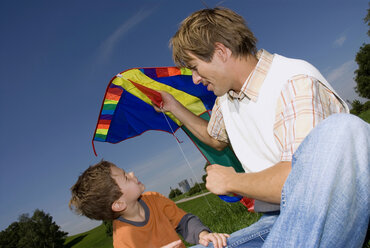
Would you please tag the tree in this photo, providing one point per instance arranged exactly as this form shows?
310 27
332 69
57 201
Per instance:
357 107
108 227
205 170
38 231
198 187
362 74
10 236
174 193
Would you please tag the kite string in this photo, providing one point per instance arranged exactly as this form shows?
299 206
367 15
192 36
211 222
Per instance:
186 159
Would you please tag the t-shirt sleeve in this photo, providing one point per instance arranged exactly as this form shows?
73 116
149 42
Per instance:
189 227
216 125
170 210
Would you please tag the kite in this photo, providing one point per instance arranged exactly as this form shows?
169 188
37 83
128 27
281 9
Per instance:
127 109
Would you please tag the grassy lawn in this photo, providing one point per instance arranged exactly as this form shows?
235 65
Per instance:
220 216
95 238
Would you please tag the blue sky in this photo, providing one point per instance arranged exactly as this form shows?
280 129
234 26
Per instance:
57 57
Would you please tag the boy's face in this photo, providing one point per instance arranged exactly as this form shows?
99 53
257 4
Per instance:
130 186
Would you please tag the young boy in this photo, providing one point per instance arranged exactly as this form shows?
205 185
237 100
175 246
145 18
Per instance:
106 192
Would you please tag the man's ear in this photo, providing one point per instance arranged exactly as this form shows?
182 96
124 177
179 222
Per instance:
119 205
222 51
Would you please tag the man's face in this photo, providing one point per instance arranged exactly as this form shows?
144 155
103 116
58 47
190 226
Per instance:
211 74
130 186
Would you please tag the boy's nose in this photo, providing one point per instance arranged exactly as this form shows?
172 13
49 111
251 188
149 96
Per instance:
196 78
131 174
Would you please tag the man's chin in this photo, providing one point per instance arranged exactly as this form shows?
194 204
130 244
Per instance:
217 93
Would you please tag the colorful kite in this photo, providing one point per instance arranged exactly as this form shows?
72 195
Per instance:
127 110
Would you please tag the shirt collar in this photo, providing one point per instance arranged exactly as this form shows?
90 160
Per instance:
252 85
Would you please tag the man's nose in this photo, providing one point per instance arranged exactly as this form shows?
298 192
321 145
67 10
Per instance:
196 78
131 174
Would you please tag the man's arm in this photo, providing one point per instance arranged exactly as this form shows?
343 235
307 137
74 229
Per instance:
265 185
194 123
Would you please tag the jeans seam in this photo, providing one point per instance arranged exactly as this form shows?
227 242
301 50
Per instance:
283 201
253 236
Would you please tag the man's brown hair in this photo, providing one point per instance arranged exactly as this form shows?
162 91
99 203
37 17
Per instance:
95 191
199 32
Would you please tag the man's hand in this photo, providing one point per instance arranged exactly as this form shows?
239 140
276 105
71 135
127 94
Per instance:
218 179
196 125
168 102
218 239
174 244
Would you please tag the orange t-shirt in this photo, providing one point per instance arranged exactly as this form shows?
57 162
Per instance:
162 216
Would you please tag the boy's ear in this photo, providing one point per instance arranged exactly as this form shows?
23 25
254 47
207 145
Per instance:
119 205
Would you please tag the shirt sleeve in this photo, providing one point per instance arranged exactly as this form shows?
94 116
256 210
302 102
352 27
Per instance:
173 213
303 103
216 126
189 227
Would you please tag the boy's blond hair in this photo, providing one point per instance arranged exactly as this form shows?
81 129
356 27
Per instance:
95 191
199 32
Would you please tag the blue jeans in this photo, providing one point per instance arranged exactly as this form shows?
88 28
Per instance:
325 199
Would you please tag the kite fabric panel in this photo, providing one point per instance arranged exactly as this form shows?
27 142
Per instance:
127 109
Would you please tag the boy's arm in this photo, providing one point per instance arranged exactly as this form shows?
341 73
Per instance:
194 232
190 227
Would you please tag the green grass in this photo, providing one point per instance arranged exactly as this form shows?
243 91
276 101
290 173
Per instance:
95 238
218 215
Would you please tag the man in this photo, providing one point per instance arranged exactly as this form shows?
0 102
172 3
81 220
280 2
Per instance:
267 104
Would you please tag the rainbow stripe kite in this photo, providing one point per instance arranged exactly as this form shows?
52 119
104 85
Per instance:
127 112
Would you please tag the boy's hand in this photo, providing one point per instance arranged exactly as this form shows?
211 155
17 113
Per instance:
218 239
174 244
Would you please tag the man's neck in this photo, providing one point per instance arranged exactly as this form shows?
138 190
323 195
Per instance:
242 67
134 212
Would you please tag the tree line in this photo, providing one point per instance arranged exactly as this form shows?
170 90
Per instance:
38 231
362 74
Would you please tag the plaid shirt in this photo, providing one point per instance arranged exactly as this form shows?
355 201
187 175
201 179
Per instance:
304 101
